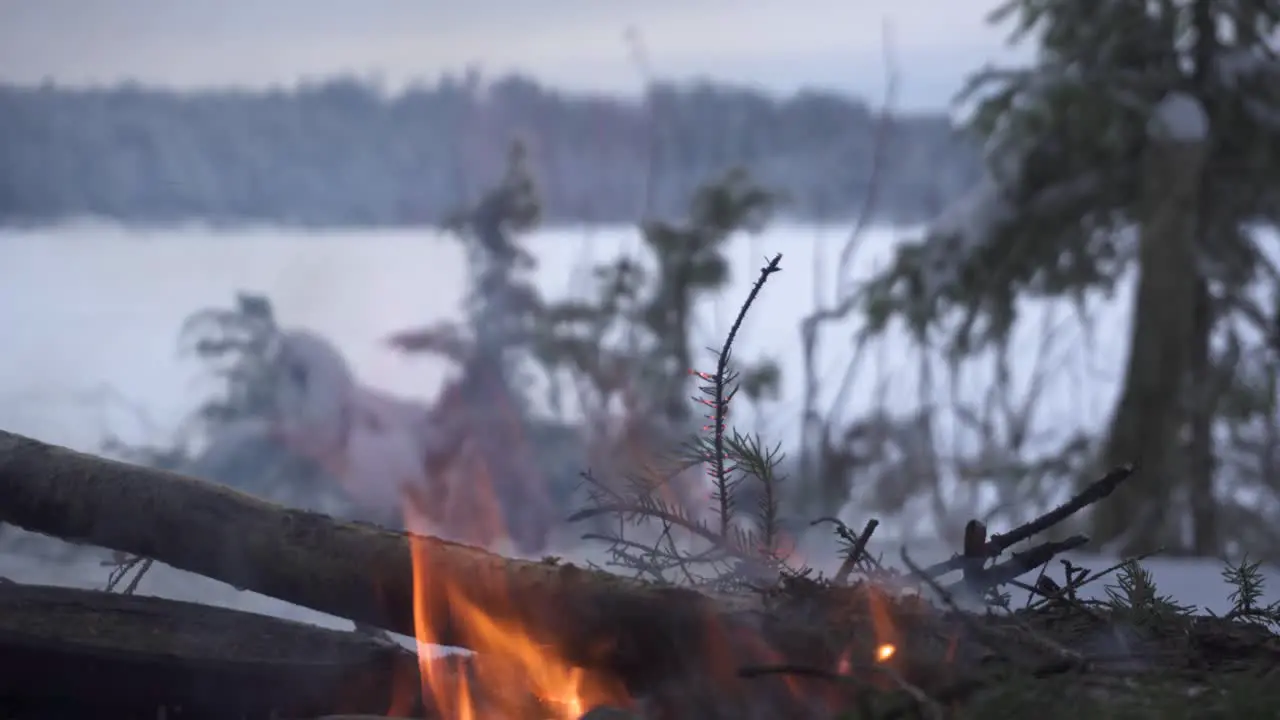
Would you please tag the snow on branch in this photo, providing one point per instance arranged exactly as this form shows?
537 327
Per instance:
967 223
1179 117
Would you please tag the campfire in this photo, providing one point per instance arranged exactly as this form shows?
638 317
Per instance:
514 674
550 640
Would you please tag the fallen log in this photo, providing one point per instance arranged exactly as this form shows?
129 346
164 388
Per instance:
640 633
69 652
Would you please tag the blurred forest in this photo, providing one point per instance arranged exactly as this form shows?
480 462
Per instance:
340 152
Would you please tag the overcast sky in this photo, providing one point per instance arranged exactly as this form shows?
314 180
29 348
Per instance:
579 44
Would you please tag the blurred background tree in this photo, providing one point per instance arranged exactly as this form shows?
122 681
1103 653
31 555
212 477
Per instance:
1144 139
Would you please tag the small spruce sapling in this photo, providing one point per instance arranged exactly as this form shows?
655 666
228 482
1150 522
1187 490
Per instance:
734 553
1135 598
1248 585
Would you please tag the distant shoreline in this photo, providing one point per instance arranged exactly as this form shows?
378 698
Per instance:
56 225
340 153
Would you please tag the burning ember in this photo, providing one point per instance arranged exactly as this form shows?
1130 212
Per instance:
885 652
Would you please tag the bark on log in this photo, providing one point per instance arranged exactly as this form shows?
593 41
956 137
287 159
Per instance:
67 652
641 633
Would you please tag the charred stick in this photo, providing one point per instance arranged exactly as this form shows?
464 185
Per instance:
1096 491
1019 564
856 551
1001 542
974 554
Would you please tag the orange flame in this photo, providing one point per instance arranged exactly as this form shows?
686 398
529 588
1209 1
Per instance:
509 664
886 638
882 624
506 657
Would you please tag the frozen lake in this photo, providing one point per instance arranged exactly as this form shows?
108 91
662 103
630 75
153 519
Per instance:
89 316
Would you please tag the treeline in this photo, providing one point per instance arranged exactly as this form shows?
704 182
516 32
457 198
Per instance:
341 152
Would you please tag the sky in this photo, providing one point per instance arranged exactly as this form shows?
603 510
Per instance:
780 45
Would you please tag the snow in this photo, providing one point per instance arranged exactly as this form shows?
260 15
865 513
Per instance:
972 217
1179 117
970 220
964 224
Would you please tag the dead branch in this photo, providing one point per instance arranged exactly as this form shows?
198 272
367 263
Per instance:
856 552
1096 491
1019 564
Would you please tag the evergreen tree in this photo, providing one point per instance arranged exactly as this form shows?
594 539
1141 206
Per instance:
1156 115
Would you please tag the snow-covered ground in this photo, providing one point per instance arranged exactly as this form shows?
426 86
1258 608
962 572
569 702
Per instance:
89 315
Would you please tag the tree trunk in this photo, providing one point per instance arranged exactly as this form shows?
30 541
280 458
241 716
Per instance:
637 632
1203 390
1150 415
1203 394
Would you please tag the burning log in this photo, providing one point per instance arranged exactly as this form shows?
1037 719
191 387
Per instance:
632 632
68 652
